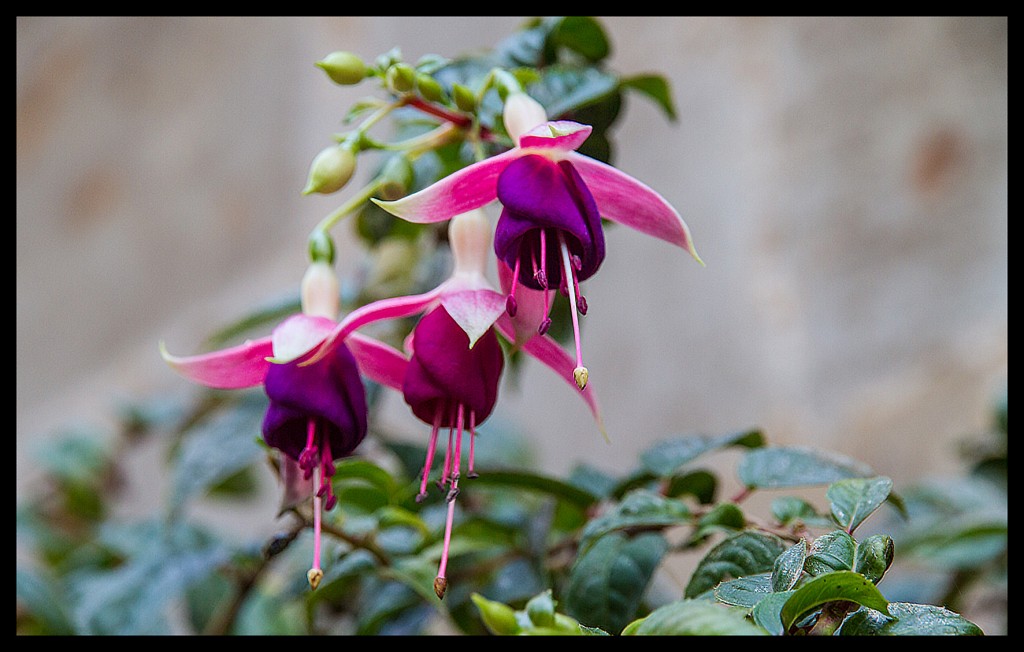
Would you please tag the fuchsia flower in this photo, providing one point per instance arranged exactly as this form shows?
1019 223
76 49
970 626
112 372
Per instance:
316 412
553 200
451 375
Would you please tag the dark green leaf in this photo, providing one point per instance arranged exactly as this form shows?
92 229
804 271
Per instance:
744 591
840 585
874 556
638 509
265 318
656 88
773 468
768 612
269 613
963 542
591 480
694 618
833 551
582 34
854 499
747 553
508 478
563 90
789 567
908 619
724 516
666 457
789 509
216 449
699 484
607 581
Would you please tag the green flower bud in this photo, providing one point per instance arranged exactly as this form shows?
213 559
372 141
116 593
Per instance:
343 68
321 247
499 618
464 98
429 88
400 77
396 178
331 170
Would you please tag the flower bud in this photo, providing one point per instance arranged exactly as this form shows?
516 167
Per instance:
522 113
320 291
400 77
874 556
395 178
343 68
429 88
469 235
330 170
464 98
321 247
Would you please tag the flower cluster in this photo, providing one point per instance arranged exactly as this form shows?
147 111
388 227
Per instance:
549 236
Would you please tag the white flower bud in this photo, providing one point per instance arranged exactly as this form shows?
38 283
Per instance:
320 291
522 113
469 235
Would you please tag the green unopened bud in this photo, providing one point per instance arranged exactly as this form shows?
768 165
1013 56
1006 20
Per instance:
400 77
498 617
343 68
321 247
464 98
428 88
874 556
331 170
395 178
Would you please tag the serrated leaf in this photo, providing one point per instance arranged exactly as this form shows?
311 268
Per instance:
654 87
216 449
744 591
666 457
773 468
607 582
789 567
694 618
908 619
832 551
768 612
839 585
746 553
854 499
639 508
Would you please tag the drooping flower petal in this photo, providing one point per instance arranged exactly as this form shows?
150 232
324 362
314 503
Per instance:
531 308
378 361
475 311
445 372
330 392
237 367
625 200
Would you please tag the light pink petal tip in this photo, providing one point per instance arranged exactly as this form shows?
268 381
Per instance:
565 135
298 335
475 311
238 367
464 190
625 200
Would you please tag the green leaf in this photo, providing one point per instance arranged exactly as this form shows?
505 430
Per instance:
839 585
268 612
639 508
789 567
498 617
746 553
768 612
874 556
507 478
541 609
666 457
908 619
789 509
854 499
216 449
356 469
39 596
654 87
722 517
832 551
582 34
562 90
694 618
699 484
607 581
264 317
773 468
744 591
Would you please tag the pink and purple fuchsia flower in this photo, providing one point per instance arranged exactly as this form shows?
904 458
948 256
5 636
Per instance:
553 200
316 412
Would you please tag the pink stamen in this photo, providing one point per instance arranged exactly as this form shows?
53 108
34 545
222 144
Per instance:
440 583
472 441
430 455
458 443
447 459
511 306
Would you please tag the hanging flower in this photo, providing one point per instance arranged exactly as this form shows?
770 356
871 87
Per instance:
316 412
553 200
454 361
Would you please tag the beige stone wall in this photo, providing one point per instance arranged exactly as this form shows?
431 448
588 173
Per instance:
845 180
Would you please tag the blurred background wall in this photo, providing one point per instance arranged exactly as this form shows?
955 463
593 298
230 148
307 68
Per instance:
845 180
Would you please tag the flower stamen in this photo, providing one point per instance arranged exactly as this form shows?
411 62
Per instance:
430 455
580 373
